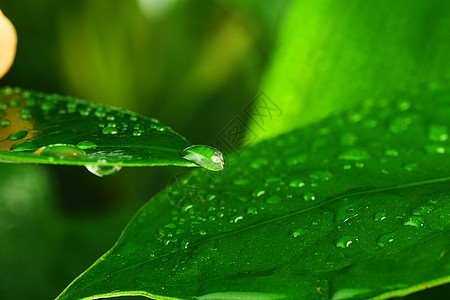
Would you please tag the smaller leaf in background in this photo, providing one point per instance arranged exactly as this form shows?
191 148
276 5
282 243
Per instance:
331 55
41 128
352 207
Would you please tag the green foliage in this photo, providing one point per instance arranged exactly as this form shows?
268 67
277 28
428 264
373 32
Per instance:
355 206
333 54
41 128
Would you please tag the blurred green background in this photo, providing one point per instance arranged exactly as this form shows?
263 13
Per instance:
193 65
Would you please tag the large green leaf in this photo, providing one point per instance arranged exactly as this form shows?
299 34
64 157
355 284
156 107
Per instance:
41 128
355 206
332 54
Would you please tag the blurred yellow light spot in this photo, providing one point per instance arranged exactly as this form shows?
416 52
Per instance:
8 42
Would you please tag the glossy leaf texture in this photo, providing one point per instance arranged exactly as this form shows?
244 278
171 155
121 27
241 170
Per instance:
332 54
353 207
41 128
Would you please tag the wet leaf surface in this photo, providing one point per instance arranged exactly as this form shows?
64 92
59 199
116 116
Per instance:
41 128
353 207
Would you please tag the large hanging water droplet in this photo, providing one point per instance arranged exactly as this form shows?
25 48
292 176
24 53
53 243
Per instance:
205 156
101 171
60 151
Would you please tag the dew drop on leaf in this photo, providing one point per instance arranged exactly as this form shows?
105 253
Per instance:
86 145
274 199
385 239
258 192
391 152
4 123
20 134
101 171
354 154
236 218
435 149
109 130
298 232
309 196
204 156
410 167
438 133
422 210
24 146
184 244
414 221
297 183
380 216
346 240
251 211
60 151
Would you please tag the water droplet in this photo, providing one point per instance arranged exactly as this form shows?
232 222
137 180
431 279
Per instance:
137 132
400 123
438 133
251 211
202 232
205 156
346 240
60 151
47 106
110 117
184 244
187 207
109 130
380 216
385 239
410 167
241 181
101 171
320 175
354 154
309 196
86 145
422 210
391 152
14 103
414 221
298 232
4 123
404 105
24 146
297 183
236 218
25 114
133 118
433 149
258 192
274 199
18 135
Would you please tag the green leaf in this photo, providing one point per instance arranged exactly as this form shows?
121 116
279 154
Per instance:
355 206
331 55
41 128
